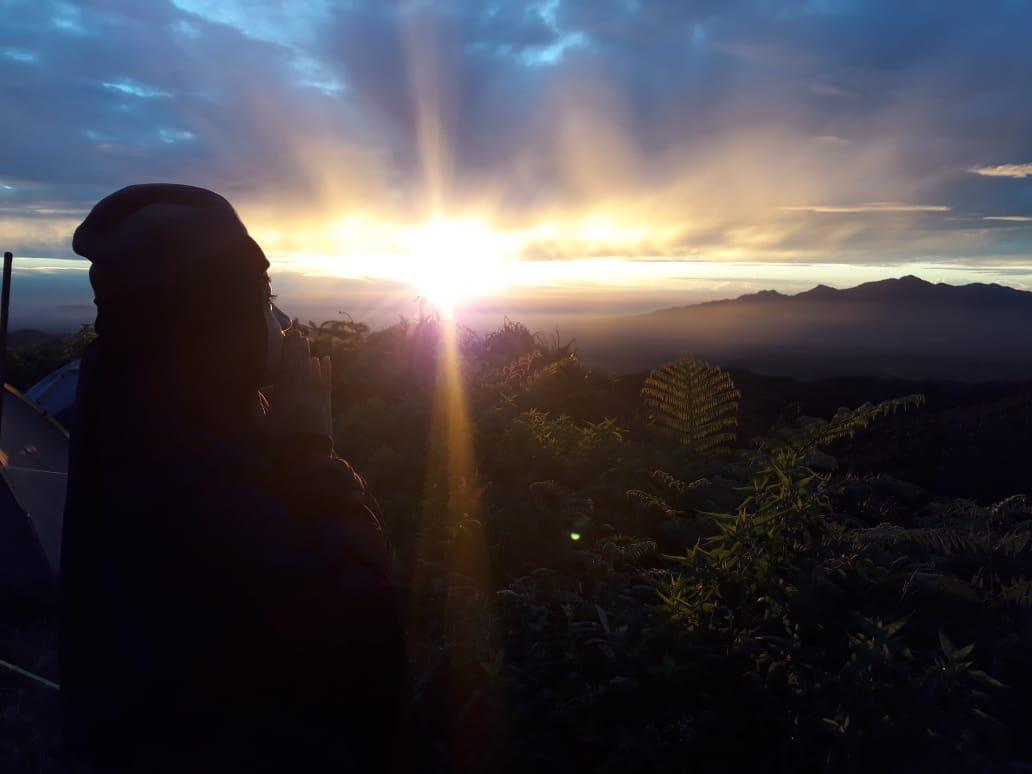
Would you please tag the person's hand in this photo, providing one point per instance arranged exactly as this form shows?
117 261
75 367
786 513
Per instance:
301 398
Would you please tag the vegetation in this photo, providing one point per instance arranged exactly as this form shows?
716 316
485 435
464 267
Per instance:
586 594
678 601
693 402
29 363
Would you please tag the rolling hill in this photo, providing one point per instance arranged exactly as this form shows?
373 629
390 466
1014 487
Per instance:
895 328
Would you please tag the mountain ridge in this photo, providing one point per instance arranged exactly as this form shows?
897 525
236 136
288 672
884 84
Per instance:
892 287
902 327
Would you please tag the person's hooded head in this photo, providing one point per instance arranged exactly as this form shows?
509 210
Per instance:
180 288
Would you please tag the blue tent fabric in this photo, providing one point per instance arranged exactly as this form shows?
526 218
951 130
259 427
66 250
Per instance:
55 392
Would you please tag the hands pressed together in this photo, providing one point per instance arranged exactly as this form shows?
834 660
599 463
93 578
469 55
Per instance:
300 403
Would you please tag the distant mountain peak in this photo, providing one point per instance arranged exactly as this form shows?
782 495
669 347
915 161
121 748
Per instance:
820 291
906 287
906 281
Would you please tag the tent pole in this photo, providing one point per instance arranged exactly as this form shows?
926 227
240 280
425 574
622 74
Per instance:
5 303
31 675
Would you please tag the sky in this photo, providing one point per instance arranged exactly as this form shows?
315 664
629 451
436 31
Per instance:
592 154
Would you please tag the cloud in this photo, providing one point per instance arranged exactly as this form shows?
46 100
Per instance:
41 234
1010 218
135 89
706 129
1004 170
831 139
869 207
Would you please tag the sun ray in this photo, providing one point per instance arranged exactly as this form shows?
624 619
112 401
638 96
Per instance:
448 260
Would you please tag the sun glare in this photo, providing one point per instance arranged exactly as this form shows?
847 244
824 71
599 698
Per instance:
450 261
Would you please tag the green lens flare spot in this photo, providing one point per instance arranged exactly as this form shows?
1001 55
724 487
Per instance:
574 536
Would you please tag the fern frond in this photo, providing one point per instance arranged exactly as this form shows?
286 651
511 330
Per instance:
1013 507
632 551
646 498
941 539
847 422
693 402
1014 544
675 484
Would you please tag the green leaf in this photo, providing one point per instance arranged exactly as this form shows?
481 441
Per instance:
833 727
963 653
895 626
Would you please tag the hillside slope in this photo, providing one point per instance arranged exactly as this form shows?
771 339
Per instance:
895 328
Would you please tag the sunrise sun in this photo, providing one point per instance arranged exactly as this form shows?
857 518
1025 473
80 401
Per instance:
451 261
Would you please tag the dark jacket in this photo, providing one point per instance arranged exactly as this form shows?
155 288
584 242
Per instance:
227 600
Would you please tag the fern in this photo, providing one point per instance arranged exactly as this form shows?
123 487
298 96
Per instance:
816 434
647 498
1013 507
693 402
941 539
627 550
1014 544
670 483
675 484
945 540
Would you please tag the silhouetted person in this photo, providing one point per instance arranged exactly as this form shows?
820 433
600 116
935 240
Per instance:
227 602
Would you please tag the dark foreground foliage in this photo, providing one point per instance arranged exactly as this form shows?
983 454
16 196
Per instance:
587 595
31 357
601 599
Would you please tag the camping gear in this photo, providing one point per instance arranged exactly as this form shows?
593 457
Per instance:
55 392
33 478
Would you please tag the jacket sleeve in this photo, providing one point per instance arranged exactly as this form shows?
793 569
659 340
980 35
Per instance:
298 542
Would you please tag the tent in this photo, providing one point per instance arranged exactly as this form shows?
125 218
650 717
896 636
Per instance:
33 479
55 392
